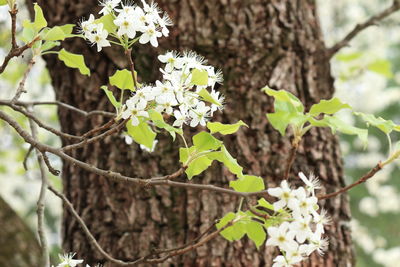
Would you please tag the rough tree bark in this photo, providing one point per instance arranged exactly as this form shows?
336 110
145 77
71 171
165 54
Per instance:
18 244
257 42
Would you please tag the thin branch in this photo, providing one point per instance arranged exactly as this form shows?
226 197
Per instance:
128 53
156 181
16 53
86 230
21 87
62 105
28 153
51 169
198 242
13 13
100 128
96 138
363 179
42 125
184 250
362 26
161 251
41 201
290 161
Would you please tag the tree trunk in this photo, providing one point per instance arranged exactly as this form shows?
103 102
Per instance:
257 42
18 244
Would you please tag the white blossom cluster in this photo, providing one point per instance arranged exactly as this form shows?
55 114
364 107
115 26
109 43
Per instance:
302 231
176 95
66 260
147 23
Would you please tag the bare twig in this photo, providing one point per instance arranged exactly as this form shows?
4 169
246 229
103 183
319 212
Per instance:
21 87
156 181
100 128
290 160
199 241
41 201
13 13
128 54
16 53
61 105
86 230
96 138
28 153
42 125
362 26
363 179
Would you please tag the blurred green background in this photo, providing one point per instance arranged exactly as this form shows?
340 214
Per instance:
367 77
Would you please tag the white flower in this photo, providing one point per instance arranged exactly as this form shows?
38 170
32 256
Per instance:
280 261
172 61
164 22
108 6
180 117
99 37
86 27
301 228
134 110
214 77
165 103
150 35
128 140
321 220
143 95
145 148
302 204
67 261
312 183
284 193
282 237
125 26
193 60
219 98
199 114
317 243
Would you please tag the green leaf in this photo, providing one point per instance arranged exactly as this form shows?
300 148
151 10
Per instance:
40 22
248 183
224 157
345 57
111 97
74 61
158 121
142 133
285 101
28 32
205 141
67 29
280 120
3 2
255 231
234 232
55 34
208 97
108 22
225 220
123 80
199 77
217 127
263 203
330 106
196 166
338 125
382 67
49 45
385 126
